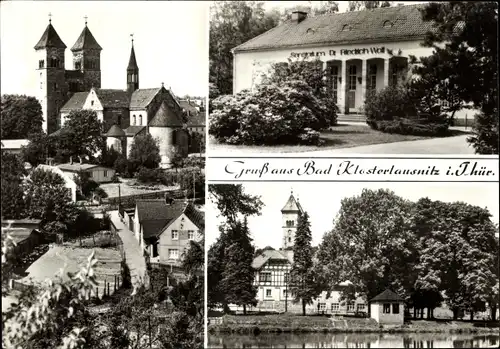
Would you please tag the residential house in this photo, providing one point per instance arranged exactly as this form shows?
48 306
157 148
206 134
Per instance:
98 174
68 178
387 308
14 146
164 228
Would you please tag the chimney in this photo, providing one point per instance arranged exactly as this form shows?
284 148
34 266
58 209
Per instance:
298 16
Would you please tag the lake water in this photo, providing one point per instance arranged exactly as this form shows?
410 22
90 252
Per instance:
322 340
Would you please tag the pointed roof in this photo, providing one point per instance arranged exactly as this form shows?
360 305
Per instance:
132 62
141 98
387 296
76 101
272 254
166 117
49 38
115 131
86 41
292 205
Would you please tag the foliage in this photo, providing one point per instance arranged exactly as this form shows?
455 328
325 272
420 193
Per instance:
121 165
367 5
303 281
389 103
467 32
231 24
195 161
196 142
21 116
144 152
81 135
40 146
273 114
232 201
177 158
416 127
193 181
147 175
86 185
215 268
12 194
108 157
238 274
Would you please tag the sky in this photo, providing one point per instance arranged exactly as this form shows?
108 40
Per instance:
322 202
170 40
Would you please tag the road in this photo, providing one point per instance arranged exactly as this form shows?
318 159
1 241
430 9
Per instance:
133 252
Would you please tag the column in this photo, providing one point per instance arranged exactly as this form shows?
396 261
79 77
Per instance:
341 91
363 82
386 72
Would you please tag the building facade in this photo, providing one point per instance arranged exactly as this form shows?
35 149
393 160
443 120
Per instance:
359 51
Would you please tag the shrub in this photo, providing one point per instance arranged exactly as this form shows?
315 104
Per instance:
148 175
485 139
121 165
390 103
412 127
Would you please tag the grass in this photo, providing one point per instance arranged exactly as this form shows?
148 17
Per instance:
127 188
344 135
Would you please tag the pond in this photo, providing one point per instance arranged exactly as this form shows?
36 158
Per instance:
353 340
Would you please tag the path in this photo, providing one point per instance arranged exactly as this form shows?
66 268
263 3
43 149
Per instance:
133 252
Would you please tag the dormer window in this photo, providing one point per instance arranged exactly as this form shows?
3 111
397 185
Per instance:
388 24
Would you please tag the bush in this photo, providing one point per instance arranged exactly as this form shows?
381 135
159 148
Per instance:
412 127
148 175
274 114
485 139
390 103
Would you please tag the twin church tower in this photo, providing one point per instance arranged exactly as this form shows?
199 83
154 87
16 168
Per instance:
57 84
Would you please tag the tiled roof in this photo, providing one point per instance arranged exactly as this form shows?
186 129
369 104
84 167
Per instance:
166 117
115 131
266 255
133 130
50 38
197 119
76 167
14 143
132 62
76 101
112 98
292 205
188 106
387 296
196 216
376 25
86 41
142 97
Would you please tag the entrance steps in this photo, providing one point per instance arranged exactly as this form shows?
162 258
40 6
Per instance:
351 118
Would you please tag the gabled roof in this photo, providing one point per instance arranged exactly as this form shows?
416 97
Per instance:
387 296
76 102
376 25
133 130
142 97
188 106
76 167
267 255
132 62
49 38
86 41
166 117
112 98
292 205
195 216
115 131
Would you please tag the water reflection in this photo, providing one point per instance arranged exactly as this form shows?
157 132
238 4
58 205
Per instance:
288 341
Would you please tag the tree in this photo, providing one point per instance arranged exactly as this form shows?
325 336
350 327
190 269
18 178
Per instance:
12 194
215 267
232 201
238 274
231 24
108 157
21 116
303 280
144 152
367 5
81 135
467 31
39 148
86 185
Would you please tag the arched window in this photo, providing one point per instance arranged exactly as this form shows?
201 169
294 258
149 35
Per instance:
140 120
387 24
134 121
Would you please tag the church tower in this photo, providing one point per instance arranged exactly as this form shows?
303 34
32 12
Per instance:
87 60
290 217
52 88
132 71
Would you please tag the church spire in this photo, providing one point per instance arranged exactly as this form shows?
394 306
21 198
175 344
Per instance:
132 70
50 38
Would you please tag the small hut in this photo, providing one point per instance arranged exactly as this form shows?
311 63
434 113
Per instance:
387 308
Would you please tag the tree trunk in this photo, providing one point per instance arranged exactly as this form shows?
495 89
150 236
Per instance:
455 314
428 313
244 309
414 312
303 307
225 308
493 310
422 313
471 316
432 313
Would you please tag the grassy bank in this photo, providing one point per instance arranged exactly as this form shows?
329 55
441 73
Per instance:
299 324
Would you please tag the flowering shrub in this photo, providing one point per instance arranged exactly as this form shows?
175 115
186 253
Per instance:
273 114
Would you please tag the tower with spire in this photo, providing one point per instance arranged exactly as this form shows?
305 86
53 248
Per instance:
290 217
132 71
52 88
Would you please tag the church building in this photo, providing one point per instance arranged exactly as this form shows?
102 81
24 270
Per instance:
123 113
360 51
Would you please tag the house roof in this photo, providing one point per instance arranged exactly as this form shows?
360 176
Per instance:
141 98
387 296
76 167
49 38
390 24
267 255
195 216
76 101
197 119
115 131
292 205
14 143
166 117
57 170
188 106
113 98
86 41
133 130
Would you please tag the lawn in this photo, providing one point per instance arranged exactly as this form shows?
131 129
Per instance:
344 135
128 187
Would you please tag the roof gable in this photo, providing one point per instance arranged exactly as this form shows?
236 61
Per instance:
292 205
397 23
115 131
112 98
49 38
387 296
267 255
86 41
141 98
76 101
166 117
